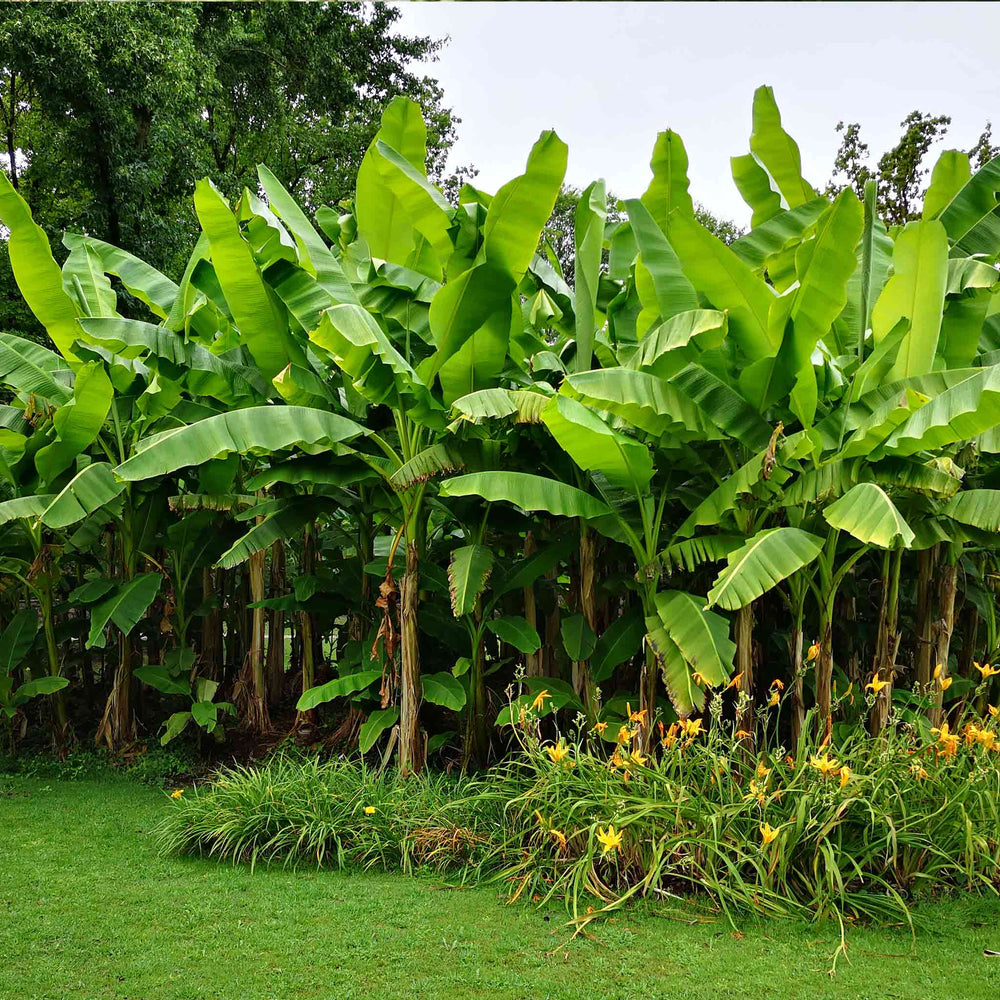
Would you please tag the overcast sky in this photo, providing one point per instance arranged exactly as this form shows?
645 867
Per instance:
608 76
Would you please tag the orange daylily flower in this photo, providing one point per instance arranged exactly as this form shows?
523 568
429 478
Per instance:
539 703
876 684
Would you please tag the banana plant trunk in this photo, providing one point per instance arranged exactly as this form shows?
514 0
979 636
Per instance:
945 625
925 615
533 661
253 682
307 718
744 667
62 733
583 682
211 636
886 640
477 737
276 627
795 644
411 745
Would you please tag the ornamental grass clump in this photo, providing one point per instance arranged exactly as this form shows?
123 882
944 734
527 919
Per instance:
334 812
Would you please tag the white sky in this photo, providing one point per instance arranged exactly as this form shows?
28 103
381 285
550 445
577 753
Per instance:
609 76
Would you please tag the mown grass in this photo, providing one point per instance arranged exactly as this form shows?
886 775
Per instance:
91 909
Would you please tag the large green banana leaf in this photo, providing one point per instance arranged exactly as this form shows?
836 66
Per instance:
313 253
257 430
970 218
763 562
778 233
595 447
282 524
588 241
960 413
669 187
755 189
468 570
78 422
85 282
915 291
186 361
36 272
527 491
125 607
514 221
702 636
978 508
25 507
262 326
777 150
867 513
140 279
356 342
672 288
18 637
32 369
647 402
89 490
727 283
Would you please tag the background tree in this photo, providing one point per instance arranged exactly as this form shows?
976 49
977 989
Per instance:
900 171
127 104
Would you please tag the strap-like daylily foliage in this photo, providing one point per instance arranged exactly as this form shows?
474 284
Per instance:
405 434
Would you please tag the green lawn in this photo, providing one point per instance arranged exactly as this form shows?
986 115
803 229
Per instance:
88 909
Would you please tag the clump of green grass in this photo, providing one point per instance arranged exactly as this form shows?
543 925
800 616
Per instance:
333 812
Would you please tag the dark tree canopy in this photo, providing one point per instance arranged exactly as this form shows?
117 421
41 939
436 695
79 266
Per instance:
111 112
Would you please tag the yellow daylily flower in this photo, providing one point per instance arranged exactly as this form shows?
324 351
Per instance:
777 685
945 682
812 652
876 684
735 682
369 810
610 840
986 672
825 765
626 735
558 752
767 833
700 679
691 727
845 776
559 837
755 792
177 793
599 727
639 716
774 700
667 741
742 734
993 710
988 738
637 758
762 771
539 703
947 739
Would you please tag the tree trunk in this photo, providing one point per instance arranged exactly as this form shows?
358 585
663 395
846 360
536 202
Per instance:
744 666
533 661
276 627
411 745
945 625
